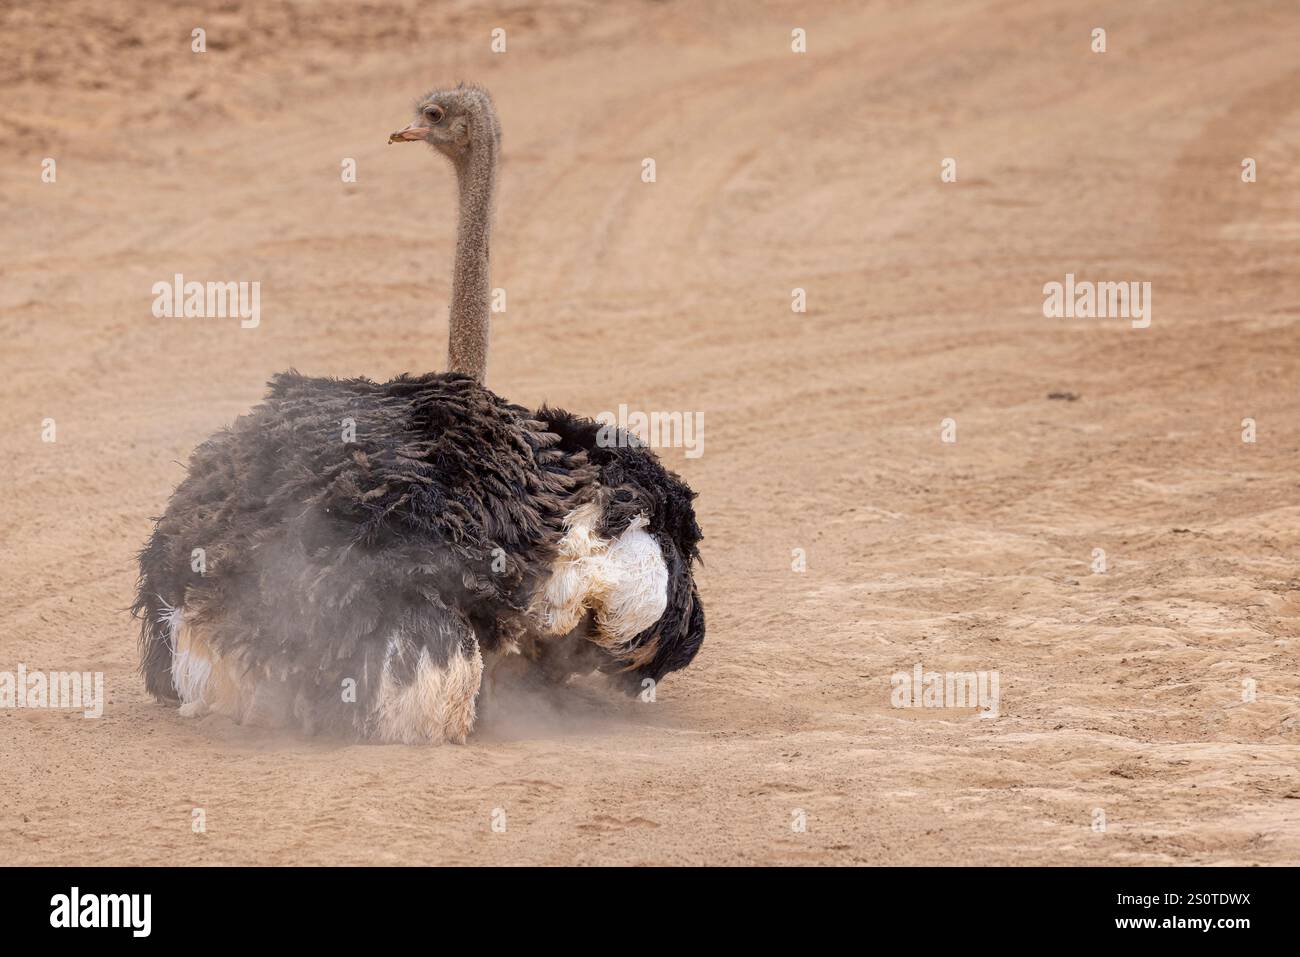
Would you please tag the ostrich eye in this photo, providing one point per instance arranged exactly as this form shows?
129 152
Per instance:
433 113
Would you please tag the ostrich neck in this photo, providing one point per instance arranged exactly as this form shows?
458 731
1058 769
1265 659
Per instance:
476 176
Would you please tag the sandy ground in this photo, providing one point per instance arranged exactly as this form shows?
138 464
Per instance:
1120 691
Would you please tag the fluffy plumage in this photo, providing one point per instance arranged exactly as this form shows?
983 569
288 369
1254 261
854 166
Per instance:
400 557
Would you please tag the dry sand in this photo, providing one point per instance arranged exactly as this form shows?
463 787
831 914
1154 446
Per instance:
1120 691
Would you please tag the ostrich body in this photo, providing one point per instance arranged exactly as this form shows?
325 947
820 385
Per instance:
352 584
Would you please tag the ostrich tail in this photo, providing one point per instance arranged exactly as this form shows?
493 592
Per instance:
158 623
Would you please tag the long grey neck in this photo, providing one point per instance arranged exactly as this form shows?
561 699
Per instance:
470 292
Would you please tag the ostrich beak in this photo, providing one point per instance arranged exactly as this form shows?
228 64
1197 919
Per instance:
409 134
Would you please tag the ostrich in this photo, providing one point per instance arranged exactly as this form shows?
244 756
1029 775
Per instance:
305 576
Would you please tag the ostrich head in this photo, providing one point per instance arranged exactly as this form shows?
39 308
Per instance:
457 122
461 124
